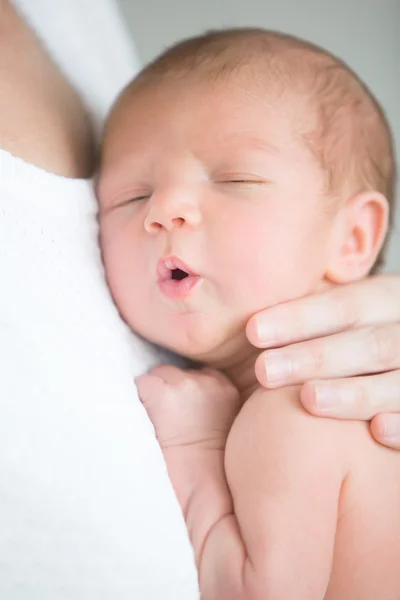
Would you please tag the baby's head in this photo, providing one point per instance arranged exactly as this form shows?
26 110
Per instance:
239 170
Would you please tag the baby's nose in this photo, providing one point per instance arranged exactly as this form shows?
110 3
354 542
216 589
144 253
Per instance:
170 215
154 223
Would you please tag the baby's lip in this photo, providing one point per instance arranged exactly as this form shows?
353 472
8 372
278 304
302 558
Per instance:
166 266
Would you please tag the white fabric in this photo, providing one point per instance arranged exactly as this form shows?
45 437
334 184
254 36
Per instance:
87 511
86 508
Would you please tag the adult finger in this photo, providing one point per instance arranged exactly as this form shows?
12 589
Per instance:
360 398
386 430
364 351
372 301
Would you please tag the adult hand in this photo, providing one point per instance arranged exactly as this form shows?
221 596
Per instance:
344 346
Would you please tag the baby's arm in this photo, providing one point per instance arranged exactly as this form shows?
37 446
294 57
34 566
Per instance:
271 533
285 473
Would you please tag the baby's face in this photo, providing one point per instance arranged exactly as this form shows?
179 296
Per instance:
211 210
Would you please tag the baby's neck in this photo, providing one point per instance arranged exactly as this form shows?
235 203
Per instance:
242 374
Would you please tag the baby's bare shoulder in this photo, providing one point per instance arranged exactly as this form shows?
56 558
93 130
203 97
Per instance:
278 419
329 455
283 406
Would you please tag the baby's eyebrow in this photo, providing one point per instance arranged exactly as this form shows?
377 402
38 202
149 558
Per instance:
253 142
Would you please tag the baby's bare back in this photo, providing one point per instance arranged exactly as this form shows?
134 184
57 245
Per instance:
367 546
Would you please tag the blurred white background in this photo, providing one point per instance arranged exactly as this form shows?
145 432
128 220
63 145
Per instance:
365 33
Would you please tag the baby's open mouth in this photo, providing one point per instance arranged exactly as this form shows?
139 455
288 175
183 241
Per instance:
178 274
175 279
173 268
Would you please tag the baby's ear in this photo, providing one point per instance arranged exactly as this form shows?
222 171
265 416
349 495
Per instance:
358 233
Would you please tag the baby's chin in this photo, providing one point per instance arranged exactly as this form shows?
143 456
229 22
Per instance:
208 344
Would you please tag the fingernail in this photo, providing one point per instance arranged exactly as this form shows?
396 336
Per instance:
326 397
278 367
391 428
266 332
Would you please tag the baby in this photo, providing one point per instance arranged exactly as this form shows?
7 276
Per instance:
241 169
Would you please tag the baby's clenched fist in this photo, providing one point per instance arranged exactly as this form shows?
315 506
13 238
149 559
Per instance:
194 407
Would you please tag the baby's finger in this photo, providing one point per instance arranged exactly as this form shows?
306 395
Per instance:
360 398
168 373
346 354
148 386
372 301
386 430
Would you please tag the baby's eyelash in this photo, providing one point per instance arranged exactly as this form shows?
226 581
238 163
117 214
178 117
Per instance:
242 181
144 197
134 199
240 178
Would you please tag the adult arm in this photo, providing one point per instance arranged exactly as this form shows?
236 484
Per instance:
42 119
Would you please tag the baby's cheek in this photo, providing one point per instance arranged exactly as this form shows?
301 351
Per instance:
114 266
278 265
121 269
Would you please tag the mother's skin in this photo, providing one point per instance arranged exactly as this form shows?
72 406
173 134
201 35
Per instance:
42 119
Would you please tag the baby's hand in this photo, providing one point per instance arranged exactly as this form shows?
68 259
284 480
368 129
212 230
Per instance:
189 408
193 412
